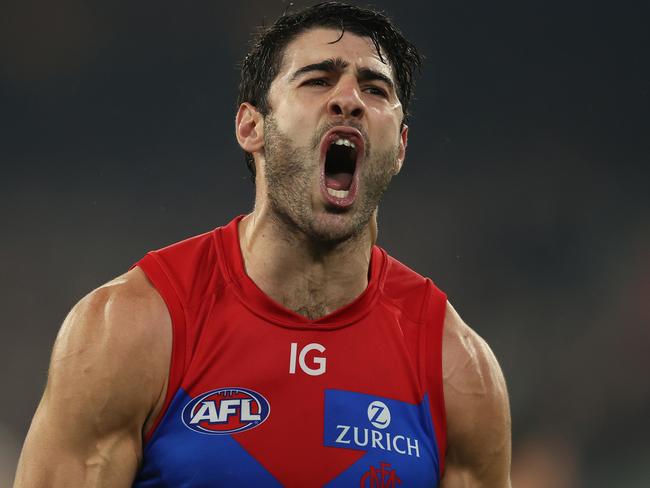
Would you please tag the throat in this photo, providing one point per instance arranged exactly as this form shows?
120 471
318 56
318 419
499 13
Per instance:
306 277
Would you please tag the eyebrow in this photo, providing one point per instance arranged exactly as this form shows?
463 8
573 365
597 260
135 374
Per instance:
367 74
333 65
337 65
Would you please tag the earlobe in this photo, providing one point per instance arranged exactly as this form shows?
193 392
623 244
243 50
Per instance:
249 128
401 154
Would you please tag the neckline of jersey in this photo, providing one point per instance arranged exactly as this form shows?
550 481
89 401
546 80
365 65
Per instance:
231 262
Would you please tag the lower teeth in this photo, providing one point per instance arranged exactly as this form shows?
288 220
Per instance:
338 193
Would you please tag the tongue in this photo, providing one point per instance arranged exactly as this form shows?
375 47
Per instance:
338 181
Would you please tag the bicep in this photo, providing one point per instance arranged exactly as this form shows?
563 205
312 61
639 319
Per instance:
102 383
478 414
60 452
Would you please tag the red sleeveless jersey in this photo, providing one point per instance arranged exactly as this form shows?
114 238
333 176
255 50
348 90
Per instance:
261 396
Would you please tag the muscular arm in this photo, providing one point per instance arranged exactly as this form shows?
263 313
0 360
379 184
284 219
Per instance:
106 382
478 414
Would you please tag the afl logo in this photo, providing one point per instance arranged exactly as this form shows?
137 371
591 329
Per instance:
226 411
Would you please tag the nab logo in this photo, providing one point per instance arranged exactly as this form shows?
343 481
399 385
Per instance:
226 411
378 414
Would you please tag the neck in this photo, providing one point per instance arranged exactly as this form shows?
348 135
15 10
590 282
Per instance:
310 278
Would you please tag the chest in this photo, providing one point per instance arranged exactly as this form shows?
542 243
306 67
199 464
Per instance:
266 405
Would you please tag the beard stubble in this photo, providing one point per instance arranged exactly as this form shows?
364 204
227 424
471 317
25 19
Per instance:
292 173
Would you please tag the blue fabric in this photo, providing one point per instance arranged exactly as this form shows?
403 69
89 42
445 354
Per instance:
179 457
397 437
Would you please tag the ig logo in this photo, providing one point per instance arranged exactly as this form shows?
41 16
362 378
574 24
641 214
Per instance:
318 360
378 414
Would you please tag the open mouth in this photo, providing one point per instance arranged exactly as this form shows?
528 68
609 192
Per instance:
341 150
340 163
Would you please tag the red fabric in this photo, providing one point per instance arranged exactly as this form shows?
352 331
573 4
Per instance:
183 274
219 315
433 365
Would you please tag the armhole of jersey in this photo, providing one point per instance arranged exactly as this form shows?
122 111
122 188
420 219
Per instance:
433 318
156 273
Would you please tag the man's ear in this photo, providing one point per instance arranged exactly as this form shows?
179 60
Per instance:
249 127
401 153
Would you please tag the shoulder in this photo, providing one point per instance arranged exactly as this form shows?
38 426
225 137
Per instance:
185 271
399 275
107 374
113 350
476 402
190 251
410 291
124 311
469 365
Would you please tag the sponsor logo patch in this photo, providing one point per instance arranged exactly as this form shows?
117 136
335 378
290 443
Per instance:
226 411
368 423
397 437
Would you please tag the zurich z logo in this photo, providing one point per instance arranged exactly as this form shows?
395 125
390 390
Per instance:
226 411
378 414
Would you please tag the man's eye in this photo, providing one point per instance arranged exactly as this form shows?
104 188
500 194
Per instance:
317 82
373 90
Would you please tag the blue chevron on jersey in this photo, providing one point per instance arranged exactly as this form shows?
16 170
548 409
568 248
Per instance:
178 456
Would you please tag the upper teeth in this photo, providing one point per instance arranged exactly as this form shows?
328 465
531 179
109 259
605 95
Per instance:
344 142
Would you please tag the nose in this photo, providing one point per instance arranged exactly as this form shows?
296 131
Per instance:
346 100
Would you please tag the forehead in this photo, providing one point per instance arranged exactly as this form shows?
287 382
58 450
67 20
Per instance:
316 45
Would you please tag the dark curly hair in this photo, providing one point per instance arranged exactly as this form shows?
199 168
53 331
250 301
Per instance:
262 63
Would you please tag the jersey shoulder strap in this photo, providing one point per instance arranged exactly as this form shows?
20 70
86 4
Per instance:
433 317
184 274
422 307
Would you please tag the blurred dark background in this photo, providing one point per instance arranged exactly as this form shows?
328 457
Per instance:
524 195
